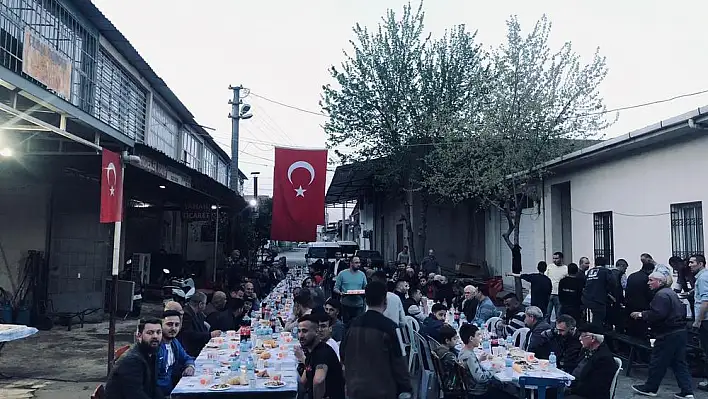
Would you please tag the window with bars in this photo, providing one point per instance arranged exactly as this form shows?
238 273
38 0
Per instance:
604 240
687 229
191 151
120 100
58 27
209 163
223 173
164 131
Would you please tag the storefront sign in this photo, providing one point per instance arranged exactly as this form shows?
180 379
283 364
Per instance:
197 212
43 62
164 171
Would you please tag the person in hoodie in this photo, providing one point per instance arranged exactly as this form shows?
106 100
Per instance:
173 361
431 326
667 319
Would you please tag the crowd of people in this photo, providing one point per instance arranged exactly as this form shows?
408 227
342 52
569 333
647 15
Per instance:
350 348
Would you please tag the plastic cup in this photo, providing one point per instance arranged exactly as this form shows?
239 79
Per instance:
651 342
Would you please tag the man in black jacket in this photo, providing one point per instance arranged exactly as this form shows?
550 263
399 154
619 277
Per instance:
374 366
598 285
570 293
133 376
638 296
195 333
667 318
597 367
565 342
538 325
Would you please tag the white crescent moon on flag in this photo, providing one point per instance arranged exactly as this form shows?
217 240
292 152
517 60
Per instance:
303 165
111 168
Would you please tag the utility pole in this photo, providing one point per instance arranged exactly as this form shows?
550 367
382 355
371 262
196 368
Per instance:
344 221
235 116
256 238
238 112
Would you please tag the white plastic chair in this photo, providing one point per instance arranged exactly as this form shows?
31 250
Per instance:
521 336
613 387
491 324
412 322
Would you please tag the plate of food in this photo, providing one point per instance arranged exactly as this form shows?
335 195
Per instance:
263 374
274 384
356 292
219 387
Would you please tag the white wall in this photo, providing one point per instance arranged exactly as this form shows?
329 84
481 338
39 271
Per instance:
23 225
638 189
645 184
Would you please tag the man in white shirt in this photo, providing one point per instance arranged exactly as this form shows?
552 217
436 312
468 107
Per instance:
556 271
324 331
394 306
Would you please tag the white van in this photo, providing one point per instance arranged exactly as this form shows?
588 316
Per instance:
324 250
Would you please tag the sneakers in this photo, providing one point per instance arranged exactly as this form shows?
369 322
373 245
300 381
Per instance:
683 395
703 385
644 390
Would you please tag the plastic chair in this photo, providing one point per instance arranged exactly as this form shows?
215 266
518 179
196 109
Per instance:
541 385
520 337
413 323
613 387
491 324
119 352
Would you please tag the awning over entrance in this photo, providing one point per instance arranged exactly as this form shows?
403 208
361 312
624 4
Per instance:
349 182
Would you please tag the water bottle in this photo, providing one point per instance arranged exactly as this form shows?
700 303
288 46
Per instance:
463 319
509 362
509 342
552 360
249 363
486 346
455 325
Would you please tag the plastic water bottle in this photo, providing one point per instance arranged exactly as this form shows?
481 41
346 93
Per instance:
509 362
486 346
552 360
509 342
463 319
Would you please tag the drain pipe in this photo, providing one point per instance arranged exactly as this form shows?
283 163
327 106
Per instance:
543 210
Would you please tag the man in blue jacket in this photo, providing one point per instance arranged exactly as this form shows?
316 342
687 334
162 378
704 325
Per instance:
172 360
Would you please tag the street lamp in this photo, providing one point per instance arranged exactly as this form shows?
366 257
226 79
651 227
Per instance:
239 111
216 241
6 152
252 203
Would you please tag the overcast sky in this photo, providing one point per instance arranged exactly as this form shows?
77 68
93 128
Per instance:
282 49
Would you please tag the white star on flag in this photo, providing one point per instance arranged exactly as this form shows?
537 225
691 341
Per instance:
300 192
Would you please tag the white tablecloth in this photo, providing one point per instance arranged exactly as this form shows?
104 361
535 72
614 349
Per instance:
12 332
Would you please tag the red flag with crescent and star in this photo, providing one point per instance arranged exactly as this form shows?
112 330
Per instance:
111 187
298 194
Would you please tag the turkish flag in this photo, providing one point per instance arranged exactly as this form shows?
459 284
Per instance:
111 187
298 194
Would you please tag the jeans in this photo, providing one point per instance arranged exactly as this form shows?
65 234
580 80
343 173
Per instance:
349 313
670 351
703 337
553 304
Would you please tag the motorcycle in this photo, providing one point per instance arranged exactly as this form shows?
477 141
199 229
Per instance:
179 289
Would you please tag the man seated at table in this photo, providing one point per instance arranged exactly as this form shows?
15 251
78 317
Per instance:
333 307
194 333
514 317
303 306
479 379
597 367
564 341
133 376
447 354
536 343
172 361
320 371
431 326
486 309
324 332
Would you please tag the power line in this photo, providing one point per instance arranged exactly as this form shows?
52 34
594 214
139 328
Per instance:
288 106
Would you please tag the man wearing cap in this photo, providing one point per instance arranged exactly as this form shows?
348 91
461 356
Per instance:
667 319
597 367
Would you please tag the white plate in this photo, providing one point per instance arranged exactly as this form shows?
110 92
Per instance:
282 384
211 388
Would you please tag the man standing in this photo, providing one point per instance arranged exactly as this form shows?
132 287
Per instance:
556 272
320 371
351 279
373 363
697 263
639 297
570 293
667 319
541 285
598 285
236 266
430 263
394 307
333 307
133 376
583 267
172 360
194 333
403 257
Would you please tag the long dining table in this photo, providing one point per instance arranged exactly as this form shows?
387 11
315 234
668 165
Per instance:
234 365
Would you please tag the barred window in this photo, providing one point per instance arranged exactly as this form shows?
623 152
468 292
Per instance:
604 240
120 101
163 131
687 229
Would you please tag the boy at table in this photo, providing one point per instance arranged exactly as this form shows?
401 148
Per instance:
479 379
